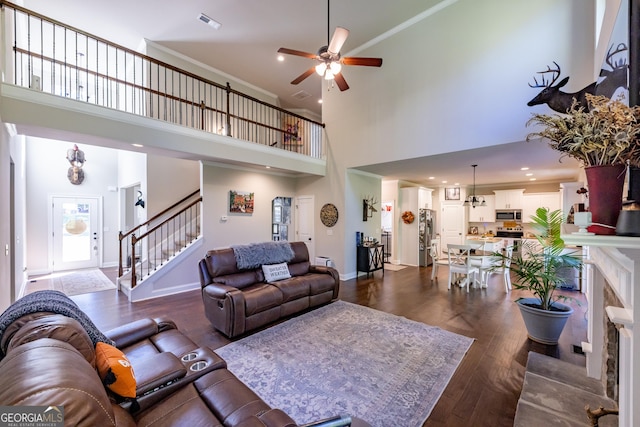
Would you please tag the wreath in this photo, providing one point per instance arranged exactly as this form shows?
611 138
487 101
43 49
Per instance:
407 217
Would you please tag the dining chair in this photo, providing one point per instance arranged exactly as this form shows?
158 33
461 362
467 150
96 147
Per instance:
488 265
460 264
437 259
506 272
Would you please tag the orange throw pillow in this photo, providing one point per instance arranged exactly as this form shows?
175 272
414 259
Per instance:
115 370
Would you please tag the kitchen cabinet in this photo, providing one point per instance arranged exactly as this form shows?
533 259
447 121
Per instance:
531 202
508 199
484 213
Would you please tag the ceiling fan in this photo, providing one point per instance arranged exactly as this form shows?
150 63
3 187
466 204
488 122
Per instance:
329 60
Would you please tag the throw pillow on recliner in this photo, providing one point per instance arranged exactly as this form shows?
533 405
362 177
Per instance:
115 370
275 272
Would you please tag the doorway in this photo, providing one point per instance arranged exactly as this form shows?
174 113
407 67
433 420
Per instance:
75 232
305 224
452 225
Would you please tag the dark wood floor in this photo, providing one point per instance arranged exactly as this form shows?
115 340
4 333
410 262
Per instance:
485 388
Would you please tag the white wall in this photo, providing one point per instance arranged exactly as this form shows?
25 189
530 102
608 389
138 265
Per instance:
5 230
217 181
169 180
461 86
456 80
47 175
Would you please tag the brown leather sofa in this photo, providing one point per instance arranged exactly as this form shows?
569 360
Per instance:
50 360
237 300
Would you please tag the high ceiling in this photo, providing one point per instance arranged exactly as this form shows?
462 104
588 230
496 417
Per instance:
246 45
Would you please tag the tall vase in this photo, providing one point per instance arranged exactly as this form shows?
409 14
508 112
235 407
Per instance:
605 196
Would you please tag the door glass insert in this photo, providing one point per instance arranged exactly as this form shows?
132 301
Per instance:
76 237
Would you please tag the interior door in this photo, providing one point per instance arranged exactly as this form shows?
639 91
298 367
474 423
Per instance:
452 225
75 233
305 224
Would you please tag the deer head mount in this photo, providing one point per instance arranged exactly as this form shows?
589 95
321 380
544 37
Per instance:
368 207
561 101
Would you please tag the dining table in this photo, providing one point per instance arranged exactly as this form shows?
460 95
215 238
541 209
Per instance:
485 261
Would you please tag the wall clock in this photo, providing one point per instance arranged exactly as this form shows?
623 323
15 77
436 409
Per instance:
329 215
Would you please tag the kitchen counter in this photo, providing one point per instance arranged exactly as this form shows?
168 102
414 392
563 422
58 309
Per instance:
492 239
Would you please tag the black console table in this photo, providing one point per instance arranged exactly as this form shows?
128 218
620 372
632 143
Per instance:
370 258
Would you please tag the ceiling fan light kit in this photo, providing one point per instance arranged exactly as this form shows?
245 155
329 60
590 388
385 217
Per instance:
330 61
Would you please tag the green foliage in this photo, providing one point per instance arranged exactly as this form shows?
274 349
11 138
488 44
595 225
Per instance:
606 133
538 268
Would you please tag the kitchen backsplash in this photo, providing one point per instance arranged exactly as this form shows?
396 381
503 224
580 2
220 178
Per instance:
491 227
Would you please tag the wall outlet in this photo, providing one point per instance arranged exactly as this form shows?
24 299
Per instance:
35 82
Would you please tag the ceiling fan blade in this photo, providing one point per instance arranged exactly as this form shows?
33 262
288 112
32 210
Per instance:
304 75
341 82
339 37
297 53
368 62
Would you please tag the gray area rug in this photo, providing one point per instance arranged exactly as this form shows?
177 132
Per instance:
82 282
348 359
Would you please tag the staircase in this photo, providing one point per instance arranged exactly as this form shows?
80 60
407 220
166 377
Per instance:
555 393
158 243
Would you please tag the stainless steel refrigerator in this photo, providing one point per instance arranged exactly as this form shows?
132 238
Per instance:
426 232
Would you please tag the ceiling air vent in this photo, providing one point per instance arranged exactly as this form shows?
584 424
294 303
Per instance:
212 22
301 95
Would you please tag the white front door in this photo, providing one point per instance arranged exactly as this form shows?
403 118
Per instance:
305 224
452 226
75 233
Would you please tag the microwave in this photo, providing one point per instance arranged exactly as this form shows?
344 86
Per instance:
509 215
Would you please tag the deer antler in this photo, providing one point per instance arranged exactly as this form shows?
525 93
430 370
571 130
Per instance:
545 82
616 64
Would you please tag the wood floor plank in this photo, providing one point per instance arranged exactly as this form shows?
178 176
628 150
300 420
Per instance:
486 386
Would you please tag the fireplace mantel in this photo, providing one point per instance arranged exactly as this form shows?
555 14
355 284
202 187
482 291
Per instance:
617 263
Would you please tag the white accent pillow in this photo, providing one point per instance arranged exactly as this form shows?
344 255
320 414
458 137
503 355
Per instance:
275 272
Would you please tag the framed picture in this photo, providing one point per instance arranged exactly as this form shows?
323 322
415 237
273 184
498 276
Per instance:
452 193
241 202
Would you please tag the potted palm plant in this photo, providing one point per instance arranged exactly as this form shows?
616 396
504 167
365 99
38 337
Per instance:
541 268
604 137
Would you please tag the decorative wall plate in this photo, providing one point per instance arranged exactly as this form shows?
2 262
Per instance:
329 215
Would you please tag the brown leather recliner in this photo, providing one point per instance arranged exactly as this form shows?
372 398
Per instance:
50 361
237 300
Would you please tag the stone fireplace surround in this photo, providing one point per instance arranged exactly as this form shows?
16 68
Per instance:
615 262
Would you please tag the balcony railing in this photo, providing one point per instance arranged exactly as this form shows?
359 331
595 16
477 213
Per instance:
52 57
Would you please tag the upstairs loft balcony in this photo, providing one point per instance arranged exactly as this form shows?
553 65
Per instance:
54 74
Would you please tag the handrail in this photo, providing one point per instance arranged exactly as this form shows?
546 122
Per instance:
161 213
61 56
122 236
152 232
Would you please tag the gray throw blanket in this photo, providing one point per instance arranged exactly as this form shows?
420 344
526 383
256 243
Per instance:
53 302
254 255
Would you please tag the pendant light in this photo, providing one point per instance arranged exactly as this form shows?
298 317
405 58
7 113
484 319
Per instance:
474 200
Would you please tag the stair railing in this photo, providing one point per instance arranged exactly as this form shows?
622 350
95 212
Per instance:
151 244
56 58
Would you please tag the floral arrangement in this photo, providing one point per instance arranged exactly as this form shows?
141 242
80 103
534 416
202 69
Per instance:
605 133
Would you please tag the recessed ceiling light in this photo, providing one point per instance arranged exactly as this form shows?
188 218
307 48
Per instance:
532 179
432 177
138 145
268 167
211 22
444 182
524 169
528 174
319 101
456 183
280 58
